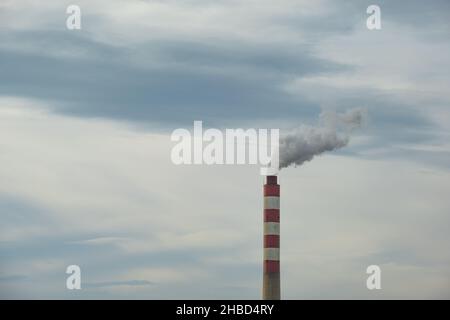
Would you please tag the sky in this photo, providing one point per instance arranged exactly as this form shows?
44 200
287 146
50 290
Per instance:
86 176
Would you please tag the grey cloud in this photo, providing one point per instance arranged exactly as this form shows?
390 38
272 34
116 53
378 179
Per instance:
13 278
418 14
117 283
175 81
244 85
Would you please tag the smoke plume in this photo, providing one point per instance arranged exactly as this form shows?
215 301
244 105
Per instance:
305 142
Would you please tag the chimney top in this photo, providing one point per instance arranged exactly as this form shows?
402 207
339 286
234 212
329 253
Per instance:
271 179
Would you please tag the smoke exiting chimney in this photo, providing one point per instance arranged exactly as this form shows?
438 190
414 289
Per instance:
296 147
271 268
333 132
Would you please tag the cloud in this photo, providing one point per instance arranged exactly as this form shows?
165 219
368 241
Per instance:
118 283
120 222
86 178
12 278
207 83
251 63
184 64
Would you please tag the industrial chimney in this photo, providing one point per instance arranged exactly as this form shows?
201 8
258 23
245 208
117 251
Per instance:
271 268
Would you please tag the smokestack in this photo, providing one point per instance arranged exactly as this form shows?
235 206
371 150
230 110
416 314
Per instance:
271 267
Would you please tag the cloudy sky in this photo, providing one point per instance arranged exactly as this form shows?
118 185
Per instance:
85 170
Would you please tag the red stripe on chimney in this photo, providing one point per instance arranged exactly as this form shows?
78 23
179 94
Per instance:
271 215
271 241
271 266
271 190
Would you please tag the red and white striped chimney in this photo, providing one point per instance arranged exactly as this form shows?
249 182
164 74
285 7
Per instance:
271 269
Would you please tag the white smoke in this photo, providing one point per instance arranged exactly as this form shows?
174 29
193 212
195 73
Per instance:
305 142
